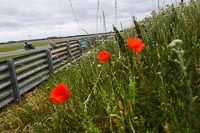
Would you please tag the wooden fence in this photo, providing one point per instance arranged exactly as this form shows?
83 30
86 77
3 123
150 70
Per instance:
21 74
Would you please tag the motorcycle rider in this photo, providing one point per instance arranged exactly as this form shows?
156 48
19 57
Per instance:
28 46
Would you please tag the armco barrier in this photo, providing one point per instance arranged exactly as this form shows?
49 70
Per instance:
19 75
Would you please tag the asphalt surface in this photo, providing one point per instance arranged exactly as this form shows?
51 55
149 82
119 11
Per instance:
22 51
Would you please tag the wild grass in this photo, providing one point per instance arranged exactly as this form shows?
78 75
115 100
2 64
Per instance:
155 91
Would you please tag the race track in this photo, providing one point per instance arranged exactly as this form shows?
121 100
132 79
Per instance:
21 51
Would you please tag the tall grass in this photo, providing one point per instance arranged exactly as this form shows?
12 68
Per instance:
157 90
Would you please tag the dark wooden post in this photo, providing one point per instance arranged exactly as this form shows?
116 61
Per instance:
14 82
49 61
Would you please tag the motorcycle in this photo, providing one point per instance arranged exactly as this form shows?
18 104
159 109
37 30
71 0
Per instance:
28 46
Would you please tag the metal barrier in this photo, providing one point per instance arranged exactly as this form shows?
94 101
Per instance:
21 74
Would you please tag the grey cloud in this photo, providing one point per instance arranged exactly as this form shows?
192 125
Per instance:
41 15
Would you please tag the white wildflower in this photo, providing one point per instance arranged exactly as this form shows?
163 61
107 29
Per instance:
175 42
99 65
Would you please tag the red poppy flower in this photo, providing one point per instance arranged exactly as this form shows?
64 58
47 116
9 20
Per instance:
104 56
60 94
135 44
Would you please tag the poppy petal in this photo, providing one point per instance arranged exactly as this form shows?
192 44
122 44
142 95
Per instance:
60 94
135 44
104 56
140 48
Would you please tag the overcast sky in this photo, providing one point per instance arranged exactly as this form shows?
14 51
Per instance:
31 19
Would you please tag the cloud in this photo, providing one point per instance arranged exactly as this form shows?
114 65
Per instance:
29 19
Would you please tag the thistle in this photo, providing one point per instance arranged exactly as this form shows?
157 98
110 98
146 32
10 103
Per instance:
120 40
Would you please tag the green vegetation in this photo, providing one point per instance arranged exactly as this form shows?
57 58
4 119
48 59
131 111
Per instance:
155 91
11 48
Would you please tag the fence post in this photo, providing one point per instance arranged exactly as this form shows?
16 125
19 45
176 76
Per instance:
80 48
13 78
49 61
87 42
68 50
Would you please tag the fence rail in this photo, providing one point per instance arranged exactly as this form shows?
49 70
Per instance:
21 74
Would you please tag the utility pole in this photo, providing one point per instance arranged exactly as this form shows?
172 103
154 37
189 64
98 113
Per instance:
97 16
104 22
70 3
159 4
116 13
